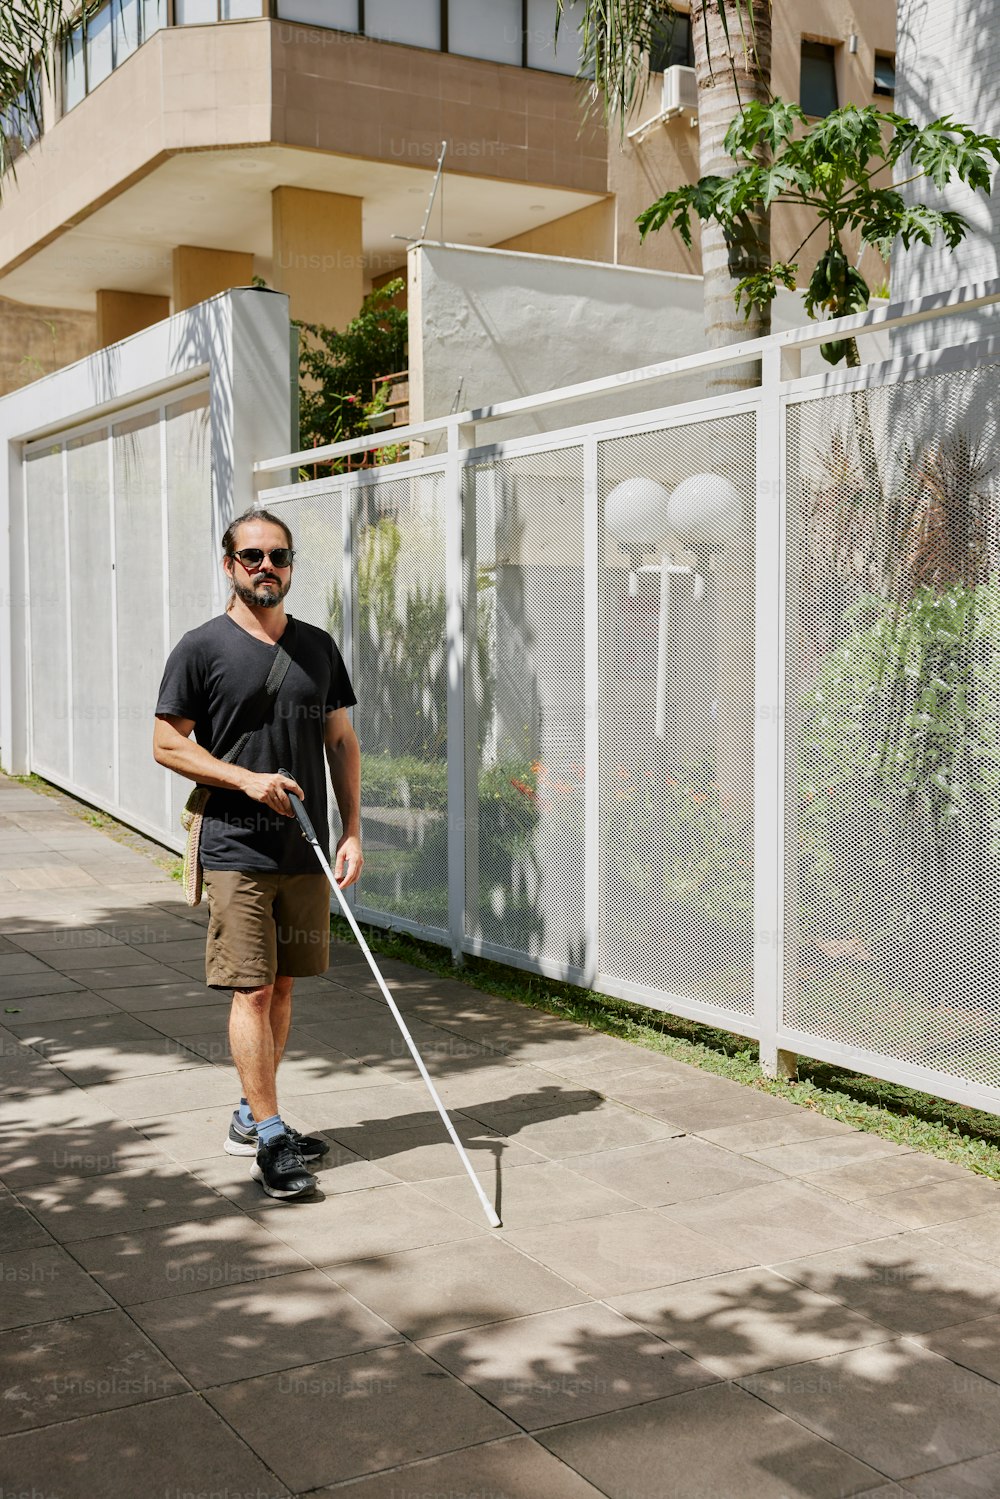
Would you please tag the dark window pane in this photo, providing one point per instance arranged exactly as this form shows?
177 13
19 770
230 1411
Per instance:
885 74
672 45
74 86
818 85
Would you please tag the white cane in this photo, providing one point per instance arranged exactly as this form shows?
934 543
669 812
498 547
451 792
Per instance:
309 833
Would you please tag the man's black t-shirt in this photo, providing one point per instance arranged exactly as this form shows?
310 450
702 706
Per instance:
215 675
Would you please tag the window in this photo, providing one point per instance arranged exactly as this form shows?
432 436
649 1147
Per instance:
542 49
885 74
100 58
818 82
672 44
21 120
126 28
415 22
490 29
337 15
74 72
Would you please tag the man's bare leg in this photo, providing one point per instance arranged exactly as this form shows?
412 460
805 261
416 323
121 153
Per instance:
252 1043
281 1016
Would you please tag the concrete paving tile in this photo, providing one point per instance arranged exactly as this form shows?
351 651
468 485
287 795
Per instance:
779 1220
217 1336
448 1287
673 1170
880 1180
511 1468
186 950
183 1258
82 1147
939 1202
401 1106
190 1020
794 1124
21 962
697 1108
469 1085
339 1172
533 1195
19 1228
153 931
764 1454
749 1320
566 1364
804 1157
386 1407
136 1451
49 876
82 959
974 1345
128 1059
362 1225
121 1201
41 1285
38 1009
874 1403
977 1479
176 995
17 986
59 1371
908 1282
625 1252
140 1098
425 1151
130 976
565 1135
978 1236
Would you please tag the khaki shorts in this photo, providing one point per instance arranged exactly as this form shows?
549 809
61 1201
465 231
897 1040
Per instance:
262 925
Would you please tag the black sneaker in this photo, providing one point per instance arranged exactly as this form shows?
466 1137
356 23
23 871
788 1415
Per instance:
280 1171
242 1140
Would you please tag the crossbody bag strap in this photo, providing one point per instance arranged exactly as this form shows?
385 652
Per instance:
282 661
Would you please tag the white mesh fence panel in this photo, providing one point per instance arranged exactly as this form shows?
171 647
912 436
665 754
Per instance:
401 668
192 562
893 723
140 606
46 589
677 709
90 602
525 696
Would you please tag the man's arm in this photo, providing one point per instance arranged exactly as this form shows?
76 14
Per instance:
174 748
343 754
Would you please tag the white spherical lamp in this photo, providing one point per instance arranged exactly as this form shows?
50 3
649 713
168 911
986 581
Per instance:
705 510
635 512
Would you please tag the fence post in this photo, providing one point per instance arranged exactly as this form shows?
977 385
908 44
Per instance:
591 608
455 587
769 794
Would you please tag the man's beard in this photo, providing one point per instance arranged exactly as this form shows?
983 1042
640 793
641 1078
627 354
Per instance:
259 597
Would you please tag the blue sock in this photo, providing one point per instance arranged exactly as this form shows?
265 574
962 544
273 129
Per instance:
246 1117
270 1129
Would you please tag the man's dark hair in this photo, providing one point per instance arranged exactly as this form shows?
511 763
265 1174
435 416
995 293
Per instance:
229 539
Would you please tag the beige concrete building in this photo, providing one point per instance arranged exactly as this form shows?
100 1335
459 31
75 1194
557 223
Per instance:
189 145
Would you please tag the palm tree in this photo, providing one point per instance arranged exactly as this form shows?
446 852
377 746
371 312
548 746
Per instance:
732 55
29 32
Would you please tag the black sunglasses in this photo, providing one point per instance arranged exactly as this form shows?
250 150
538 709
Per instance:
254 556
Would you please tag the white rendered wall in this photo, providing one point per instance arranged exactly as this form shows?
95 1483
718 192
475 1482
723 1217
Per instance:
507 324
239 341
947 61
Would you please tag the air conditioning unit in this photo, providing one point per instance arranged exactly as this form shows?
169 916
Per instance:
680 91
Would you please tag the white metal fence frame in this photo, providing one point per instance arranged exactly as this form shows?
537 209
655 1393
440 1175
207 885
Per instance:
779 362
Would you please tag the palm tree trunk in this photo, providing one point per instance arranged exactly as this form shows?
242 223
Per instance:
731 71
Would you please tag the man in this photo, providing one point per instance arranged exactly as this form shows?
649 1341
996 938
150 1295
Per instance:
269 902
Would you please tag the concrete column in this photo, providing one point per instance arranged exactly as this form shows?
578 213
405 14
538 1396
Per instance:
316 250
121 313
200 273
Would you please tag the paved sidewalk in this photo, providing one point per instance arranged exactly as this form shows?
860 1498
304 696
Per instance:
697 1291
